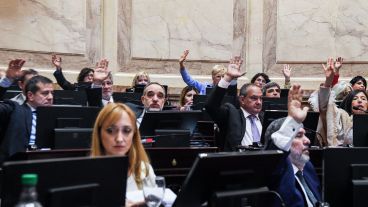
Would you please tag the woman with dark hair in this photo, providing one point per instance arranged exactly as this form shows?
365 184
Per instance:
186 97
356 102
85 77
335 124
358 83
260 79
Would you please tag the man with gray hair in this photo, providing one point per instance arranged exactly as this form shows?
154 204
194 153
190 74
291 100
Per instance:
295 179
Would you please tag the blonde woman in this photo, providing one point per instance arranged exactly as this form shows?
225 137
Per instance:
140 79
115 133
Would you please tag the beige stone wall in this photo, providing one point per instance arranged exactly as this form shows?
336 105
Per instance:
151 35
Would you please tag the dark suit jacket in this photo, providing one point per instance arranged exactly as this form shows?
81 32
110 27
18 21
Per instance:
284 182
229 119
138 110
66 85
15 128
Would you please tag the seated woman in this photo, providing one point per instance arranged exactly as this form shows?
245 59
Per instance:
335 124
358 83
115 133
260 79
84 80
186 97
140 80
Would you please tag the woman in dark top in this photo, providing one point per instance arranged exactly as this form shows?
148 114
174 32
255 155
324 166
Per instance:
84 80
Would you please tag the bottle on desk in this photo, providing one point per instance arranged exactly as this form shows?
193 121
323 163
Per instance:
28 196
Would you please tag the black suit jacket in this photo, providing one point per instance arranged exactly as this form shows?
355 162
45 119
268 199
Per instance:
66 85
138 110
229 119
15 128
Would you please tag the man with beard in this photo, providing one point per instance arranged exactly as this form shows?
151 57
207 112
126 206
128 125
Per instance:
153 99
295 178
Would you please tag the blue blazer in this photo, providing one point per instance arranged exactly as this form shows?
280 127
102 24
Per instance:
284 182
15 128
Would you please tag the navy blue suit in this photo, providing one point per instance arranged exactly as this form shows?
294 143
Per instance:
15 128
285 183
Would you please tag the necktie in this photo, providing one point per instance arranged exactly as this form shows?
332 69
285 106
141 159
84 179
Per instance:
32 138
310 195
255 132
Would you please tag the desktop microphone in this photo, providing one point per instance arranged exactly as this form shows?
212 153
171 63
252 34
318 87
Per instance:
357 108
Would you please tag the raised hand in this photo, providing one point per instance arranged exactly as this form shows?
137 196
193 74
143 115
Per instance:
338 64
183 58
233 69
237 61
287 72
101 71
56 61
295 104
14 69
329 70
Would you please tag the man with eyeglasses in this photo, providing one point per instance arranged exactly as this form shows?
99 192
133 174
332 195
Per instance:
272 90
19 121
239 127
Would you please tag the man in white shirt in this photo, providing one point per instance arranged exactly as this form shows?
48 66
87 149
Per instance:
295 179
238 126
153 99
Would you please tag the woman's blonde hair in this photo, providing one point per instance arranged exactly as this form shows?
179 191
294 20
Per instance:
142 73
184 92
218 69
110 114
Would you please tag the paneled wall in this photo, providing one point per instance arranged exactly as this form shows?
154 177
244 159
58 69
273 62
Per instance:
151 35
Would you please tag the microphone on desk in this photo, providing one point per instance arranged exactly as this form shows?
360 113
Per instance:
360 109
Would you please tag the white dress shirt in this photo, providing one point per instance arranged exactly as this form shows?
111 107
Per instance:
248 136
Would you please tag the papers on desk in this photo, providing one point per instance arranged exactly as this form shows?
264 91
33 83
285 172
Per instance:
137 197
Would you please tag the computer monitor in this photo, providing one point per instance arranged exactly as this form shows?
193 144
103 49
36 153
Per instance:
227 173
284 92
153 120
73 138
68 97
269 103
338 174
310 123
82 181
360 130
172 138
199 101
50 118
127 97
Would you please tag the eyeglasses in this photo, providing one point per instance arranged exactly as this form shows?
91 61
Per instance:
271 90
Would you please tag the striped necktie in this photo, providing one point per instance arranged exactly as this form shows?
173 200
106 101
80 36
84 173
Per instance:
310 194
32 138
255 132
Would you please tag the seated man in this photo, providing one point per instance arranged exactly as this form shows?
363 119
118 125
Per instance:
26 75
20 120
153 99
295 179
237 126
271 90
